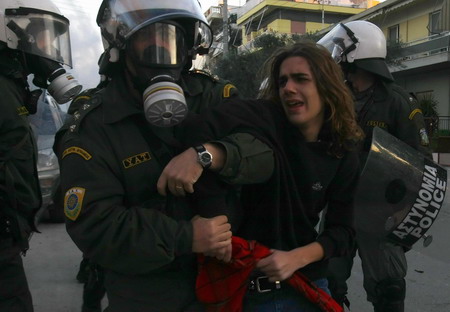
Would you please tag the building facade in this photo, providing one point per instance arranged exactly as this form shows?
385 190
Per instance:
422 30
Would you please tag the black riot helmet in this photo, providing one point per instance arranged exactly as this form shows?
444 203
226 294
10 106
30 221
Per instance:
119 20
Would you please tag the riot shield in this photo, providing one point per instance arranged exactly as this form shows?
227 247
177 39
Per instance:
400 193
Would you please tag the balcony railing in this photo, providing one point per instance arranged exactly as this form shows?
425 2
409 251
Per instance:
439 43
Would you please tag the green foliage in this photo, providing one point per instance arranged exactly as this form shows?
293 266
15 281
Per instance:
241 70
443 132
428 104
244 69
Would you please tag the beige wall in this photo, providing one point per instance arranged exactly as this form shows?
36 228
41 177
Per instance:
416 28
412 29
280 25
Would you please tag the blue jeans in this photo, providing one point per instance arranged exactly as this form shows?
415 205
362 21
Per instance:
286 299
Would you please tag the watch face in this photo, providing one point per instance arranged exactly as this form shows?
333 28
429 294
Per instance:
206 158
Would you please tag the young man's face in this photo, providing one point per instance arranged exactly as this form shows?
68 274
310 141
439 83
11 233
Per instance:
299 95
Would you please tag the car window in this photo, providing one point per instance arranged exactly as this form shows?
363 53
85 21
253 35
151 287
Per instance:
46 121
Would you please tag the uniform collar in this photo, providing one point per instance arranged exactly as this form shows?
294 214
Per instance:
381 92
118 102
191 87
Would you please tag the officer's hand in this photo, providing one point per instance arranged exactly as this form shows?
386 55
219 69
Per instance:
223 254
210 235
180 174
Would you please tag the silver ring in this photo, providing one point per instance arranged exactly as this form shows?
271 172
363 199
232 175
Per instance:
179 187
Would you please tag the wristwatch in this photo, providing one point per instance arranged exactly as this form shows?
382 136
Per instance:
204 157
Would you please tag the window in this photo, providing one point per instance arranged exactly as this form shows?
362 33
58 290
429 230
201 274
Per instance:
393 34
434 25
424 94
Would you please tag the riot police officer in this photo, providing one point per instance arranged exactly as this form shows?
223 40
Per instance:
34 39
115 146
360 48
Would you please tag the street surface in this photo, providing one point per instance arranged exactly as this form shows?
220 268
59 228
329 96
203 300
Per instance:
52 263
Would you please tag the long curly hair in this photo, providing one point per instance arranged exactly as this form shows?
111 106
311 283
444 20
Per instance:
334 93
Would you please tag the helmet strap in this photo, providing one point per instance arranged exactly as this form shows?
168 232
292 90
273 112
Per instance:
351 35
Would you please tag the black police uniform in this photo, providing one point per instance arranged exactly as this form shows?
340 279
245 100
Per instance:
20 195
110 162
384 263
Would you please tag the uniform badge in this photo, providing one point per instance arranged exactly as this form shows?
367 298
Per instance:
22 110
73 202
227 90
136 160
76 150
377 123
414 112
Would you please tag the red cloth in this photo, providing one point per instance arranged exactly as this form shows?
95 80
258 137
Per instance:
222 286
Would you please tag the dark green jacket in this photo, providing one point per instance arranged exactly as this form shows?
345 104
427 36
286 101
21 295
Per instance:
109 173
388 109
20 194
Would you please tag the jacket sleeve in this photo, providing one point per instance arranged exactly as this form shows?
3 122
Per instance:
248 160
411 130
404 128
338 236
131 239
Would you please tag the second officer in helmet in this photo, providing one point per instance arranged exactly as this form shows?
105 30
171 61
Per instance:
113 151
360 48
34 39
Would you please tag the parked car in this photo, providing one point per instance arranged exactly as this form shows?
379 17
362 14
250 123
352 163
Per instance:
47 120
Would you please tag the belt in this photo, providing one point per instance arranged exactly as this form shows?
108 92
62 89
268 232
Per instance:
261 284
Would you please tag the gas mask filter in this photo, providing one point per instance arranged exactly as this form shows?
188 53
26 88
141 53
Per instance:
158 54
164 104
63 86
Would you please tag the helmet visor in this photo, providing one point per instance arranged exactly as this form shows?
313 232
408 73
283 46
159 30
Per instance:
158 44
122 18
338 50
40 33
339 41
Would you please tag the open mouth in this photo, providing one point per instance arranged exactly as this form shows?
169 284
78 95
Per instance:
294 103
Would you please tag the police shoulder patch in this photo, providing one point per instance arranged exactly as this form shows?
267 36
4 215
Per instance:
227 90
76 150
414 112
22 110
73 202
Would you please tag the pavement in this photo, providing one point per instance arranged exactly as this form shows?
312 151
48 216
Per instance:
52 261
51 265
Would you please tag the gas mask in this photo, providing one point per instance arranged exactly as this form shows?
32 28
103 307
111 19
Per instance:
44 40
157 55
62 86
